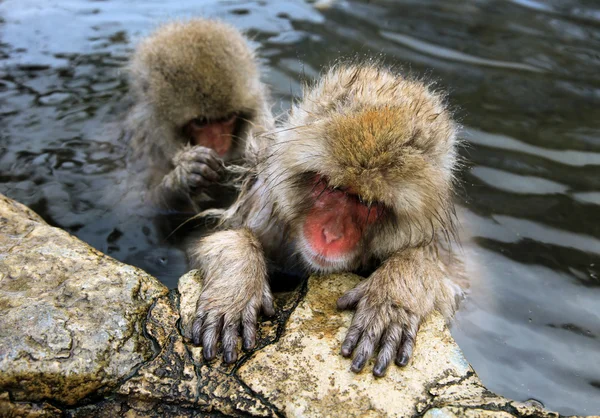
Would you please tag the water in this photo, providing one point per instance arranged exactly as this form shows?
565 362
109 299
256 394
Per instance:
522 74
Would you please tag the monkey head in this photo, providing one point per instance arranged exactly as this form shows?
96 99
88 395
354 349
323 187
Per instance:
200 78
364 168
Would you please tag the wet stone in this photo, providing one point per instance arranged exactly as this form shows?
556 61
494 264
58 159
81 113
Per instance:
83 335
72 317
304 375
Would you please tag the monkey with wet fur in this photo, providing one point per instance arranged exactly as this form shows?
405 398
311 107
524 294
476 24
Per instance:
198 96
361 173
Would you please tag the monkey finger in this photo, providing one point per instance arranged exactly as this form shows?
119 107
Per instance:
267 304
210 335
230 339
407 344
197 181
389 347
350 299
197 329
249 320
203 170
365 348
354 333
209 157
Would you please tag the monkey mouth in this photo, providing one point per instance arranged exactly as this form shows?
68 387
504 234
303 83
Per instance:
324 264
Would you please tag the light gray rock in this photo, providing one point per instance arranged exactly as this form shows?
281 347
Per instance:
304 375
189 288
83 335
72 317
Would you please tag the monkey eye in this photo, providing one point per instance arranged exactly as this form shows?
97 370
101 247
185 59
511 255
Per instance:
198 122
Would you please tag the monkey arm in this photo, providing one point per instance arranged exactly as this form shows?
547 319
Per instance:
391 304
235 289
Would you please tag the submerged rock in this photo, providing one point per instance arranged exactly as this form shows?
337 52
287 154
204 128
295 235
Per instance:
83 335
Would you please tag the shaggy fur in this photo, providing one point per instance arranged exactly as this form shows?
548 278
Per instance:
197 69
391 141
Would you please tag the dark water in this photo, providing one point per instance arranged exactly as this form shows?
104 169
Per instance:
524 76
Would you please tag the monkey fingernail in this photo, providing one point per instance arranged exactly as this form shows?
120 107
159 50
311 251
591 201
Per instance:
340 304
347 301
380 369
210 174
195 181
347 349
358 363
208 353
248 343
402 359
197 331
230 357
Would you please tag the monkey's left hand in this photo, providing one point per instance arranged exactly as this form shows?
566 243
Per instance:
380 319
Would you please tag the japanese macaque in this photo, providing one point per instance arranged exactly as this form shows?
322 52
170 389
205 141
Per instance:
198 96
360 176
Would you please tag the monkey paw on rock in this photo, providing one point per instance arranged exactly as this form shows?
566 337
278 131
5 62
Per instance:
377 323
221 313
196 167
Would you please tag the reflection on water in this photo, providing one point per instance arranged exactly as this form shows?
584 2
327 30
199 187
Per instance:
523 76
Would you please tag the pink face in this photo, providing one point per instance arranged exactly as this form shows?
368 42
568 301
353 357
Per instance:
335 225
215 135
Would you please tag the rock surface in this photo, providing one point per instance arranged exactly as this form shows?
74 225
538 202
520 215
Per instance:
308 376
72 317
83 335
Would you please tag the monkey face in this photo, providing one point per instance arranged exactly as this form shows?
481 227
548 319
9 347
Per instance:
215 134
200 79
364 173
335 226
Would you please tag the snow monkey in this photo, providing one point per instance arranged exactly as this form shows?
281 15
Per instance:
360 175
198 96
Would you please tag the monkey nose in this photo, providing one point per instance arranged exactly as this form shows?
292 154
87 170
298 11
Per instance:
332 235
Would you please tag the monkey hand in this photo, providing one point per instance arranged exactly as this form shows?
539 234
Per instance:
222 311
380 320
196 168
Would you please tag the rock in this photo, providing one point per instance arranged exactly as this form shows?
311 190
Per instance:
83 335
26 409
72 317
303 375
309 377
189 288
179 377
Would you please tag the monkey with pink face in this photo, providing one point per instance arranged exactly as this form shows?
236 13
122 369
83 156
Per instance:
361 174
198 97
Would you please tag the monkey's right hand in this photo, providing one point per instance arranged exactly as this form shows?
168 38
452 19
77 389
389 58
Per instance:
196 168
222 310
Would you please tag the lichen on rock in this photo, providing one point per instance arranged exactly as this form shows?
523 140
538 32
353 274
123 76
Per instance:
72 317
83 335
